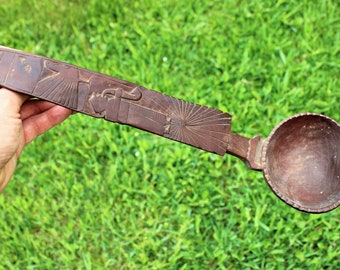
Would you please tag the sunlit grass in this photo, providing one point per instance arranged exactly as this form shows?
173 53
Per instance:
93 195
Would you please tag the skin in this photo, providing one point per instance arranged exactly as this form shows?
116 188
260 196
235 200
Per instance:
21 121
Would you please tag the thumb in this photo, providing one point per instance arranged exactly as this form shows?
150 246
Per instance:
10 132
10 123
11 102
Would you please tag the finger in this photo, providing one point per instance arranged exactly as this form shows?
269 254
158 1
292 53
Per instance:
11 102
42 122
33 107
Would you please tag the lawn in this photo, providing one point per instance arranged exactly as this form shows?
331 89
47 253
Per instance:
90 194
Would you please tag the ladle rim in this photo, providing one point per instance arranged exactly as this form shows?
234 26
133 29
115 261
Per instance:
283 197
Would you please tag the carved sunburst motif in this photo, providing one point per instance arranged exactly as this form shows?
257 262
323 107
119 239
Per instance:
196 125
59 84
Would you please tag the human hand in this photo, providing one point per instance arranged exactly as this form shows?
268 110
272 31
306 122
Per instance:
21 121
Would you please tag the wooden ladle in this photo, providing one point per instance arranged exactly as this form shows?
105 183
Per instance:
300 159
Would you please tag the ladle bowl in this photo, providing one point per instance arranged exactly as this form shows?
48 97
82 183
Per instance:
301 162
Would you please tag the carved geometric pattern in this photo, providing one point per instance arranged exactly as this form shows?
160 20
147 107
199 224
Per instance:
193 124
59 83
117 101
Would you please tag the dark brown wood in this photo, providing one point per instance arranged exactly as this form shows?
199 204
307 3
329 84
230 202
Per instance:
300 159
302 162
115 100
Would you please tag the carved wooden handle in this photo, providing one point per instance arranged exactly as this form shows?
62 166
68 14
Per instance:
115 100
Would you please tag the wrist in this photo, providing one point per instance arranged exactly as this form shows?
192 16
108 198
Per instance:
7 171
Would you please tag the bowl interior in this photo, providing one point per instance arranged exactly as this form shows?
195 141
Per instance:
302 162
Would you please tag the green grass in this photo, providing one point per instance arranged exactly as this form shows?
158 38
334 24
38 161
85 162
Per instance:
94 195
